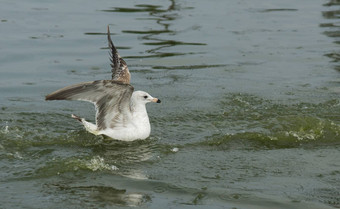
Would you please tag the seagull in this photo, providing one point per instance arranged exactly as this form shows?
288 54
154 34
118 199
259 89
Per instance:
120 111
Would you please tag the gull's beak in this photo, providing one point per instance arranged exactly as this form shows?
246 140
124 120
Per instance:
156 100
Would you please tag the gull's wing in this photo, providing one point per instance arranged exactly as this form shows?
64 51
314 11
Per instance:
112 100
120 71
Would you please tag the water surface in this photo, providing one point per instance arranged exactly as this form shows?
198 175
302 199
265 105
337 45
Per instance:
249 115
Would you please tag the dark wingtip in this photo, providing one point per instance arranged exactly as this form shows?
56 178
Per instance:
55 96
158 101
47 97
108 36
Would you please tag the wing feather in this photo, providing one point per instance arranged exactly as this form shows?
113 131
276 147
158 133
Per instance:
112 100
119 69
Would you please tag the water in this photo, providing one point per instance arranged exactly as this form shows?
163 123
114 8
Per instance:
249 115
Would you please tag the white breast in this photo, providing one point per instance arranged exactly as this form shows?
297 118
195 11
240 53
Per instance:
137 128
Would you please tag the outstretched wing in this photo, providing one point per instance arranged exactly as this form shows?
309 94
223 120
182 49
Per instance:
112 100
120 71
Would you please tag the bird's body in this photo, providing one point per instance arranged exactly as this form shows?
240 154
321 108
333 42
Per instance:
120 111
134 126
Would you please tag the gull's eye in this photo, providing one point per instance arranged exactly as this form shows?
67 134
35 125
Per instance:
145 97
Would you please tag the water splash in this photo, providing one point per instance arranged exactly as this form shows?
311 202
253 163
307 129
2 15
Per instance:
5 129
98 163
175 149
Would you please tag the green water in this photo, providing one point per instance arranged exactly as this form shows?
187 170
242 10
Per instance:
249 115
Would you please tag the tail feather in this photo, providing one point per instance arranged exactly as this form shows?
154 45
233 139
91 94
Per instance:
76 117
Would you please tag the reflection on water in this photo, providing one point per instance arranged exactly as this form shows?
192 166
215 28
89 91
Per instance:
105 195
128 156
96 33
332 15
278 10
125 153
184 67
164 18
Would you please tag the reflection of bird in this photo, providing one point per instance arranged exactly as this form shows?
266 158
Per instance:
121 112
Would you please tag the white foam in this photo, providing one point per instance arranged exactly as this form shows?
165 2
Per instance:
98 163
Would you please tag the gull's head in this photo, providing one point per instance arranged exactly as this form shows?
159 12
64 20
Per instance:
143 97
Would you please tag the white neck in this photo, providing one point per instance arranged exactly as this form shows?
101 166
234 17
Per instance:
141 120
139 112
138 109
